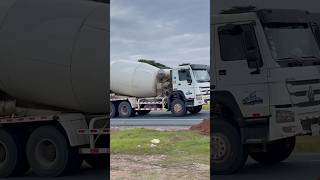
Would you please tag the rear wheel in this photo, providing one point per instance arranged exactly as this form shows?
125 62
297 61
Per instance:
113 110
13 161
276 152
195 109
178 107
125 110
228 154
49 153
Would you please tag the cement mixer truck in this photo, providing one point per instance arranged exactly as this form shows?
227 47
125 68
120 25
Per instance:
53 86
140 88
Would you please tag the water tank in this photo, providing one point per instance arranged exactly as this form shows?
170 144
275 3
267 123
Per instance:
134 78
55 53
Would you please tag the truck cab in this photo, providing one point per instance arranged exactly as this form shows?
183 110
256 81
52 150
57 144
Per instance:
265 65
193 80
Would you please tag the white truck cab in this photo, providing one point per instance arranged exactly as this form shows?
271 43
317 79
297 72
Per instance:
265 65
194 81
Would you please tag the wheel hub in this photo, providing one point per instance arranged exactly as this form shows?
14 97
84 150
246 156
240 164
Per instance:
177 107
124 110
220 146
46 152
3 153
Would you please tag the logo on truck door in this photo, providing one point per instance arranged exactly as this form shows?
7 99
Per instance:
252 99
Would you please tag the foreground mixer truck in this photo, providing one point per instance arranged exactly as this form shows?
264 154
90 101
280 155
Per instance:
53 86
265 66
138 87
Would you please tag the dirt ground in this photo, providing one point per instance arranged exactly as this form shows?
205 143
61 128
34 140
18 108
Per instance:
135 167
203 127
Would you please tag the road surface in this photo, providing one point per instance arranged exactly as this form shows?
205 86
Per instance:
84 174
160 119
297 167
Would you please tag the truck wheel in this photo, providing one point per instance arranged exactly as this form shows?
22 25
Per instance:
49 153
125 110
13 161
178 108
228 154
195 109
113 110
276 152
143 112
99 161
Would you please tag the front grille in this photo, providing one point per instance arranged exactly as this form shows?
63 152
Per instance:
304 93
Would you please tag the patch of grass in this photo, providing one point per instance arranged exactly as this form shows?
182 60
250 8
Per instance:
179 146
308 144
206 107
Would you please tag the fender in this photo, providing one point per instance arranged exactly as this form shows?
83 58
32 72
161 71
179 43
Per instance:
227 99
176 95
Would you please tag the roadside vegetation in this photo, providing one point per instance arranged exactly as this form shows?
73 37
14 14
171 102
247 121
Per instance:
178 146
308 144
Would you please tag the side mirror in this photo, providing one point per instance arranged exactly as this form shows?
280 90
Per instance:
253 60
189 81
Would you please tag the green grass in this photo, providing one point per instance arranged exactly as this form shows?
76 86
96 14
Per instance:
206 107
179 146
308 144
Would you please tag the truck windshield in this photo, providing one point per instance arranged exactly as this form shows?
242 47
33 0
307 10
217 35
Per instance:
201 75
291 41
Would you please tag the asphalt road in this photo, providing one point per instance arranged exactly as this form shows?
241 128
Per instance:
160 119
297 167
84 174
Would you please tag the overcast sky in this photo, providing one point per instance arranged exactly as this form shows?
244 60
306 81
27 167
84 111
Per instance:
168 31
310 5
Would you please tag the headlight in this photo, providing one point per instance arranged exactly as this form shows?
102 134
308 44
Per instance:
284 116
198 97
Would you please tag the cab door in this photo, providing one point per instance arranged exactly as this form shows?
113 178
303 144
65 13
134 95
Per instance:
239 67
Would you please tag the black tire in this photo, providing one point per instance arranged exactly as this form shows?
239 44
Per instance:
99 161
178 108
276 152
125 110
228 154
13 161
143 112
49 153
195 109
113 110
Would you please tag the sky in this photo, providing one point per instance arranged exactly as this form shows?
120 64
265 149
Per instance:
168 31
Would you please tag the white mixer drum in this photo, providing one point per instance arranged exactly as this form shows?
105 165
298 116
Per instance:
133 78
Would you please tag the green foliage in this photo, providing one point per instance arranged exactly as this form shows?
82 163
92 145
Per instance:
154 63
309 144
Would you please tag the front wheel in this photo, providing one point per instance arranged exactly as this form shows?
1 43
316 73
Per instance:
276 152
178 108
195 110
228 153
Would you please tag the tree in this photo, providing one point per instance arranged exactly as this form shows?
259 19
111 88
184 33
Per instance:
154 63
